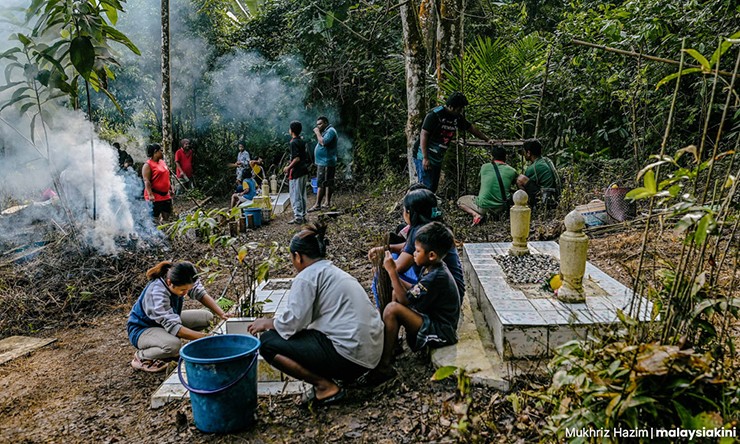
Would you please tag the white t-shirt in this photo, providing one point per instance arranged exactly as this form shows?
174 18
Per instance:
242 157
326 298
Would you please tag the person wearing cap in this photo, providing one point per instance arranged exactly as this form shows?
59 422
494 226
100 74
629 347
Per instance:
329 330
156 177
438 130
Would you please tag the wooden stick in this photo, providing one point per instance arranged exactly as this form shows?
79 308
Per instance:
647 57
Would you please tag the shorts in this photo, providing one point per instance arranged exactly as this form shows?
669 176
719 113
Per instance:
162 206
469 201
312 350
325 175
430 334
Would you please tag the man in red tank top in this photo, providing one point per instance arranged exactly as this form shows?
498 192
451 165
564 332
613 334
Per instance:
157 183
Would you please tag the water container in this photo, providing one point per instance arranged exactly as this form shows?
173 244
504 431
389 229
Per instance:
315 185
594 213
256 215
222 380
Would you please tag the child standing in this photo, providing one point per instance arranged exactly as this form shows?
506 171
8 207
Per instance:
297 171
429 311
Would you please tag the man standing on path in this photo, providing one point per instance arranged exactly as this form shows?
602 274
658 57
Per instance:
325 155
438 130
157 183
297 171
184 163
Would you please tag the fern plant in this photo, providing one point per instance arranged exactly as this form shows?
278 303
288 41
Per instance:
502 82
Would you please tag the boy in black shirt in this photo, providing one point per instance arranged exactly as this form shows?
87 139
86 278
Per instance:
297 171
429 310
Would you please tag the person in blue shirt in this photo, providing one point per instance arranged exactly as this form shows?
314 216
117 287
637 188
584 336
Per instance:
249 189
437 132
325 158
420 209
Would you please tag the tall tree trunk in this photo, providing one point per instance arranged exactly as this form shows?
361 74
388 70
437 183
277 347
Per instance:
449 36
166 89
414 58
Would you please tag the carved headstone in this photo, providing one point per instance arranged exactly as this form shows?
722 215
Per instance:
520 215
573 250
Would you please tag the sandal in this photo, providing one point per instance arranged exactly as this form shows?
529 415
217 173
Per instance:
477 220
309 399
148 365
314 208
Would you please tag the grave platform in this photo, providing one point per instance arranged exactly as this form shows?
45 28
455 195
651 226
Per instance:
279 202
528 322
270 381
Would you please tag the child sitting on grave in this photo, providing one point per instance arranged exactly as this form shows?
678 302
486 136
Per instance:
329 330
157 321
420 208
429 311
248 189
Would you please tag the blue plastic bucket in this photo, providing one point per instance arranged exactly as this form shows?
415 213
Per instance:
315 185
256 214
222 380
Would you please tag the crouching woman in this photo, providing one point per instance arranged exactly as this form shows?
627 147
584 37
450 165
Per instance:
157 321
329 330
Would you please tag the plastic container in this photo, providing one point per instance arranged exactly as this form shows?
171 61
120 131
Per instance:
594 213
222 380
256 215
315 185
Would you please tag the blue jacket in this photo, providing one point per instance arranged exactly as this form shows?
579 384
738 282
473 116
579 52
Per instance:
157 306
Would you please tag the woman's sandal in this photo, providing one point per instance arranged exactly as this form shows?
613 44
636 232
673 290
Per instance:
148 365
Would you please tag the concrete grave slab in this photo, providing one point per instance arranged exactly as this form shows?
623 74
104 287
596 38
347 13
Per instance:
527 322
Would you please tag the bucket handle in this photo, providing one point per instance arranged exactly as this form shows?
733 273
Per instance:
218 390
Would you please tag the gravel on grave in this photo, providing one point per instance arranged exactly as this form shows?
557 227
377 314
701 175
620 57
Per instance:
529 268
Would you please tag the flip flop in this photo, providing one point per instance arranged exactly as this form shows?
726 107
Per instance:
335 398
477 220
309 398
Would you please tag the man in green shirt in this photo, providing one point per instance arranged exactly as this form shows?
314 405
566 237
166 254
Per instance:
496 181
540 180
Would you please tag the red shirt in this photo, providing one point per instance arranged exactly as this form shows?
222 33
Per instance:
185 159
160 181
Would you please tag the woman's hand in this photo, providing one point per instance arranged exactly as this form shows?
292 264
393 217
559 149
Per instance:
259 325
388 263
225 316
374 252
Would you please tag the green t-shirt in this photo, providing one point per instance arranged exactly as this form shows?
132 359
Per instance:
489 195
541 173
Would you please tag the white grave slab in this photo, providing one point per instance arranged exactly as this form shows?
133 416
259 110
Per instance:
527 324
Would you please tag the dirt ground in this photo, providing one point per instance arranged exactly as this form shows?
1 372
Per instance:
82 388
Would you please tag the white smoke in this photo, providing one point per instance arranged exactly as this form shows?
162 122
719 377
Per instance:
28 165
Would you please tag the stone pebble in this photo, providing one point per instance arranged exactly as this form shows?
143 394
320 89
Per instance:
529 268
